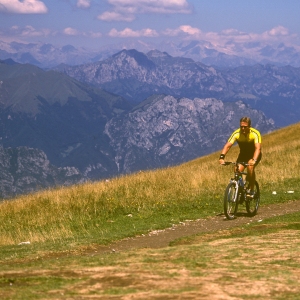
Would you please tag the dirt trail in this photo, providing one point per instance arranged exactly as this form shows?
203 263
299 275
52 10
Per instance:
162 238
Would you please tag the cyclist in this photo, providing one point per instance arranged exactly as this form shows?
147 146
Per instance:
249 141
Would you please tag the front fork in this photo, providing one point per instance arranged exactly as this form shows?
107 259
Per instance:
238 190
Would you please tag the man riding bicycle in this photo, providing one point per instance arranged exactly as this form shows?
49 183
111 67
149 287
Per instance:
249 141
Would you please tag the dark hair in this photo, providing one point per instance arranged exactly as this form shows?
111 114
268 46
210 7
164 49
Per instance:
246 120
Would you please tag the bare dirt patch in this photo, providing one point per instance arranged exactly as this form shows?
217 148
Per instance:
162 238
264 267
254 271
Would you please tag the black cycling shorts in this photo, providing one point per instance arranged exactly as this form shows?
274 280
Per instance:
245 158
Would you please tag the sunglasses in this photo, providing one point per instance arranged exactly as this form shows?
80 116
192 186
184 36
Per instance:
244 126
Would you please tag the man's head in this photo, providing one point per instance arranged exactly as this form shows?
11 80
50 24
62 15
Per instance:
246 120
245 123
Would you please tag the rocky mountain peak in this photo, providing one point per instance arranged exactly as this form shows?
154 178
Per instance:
164 130
132 58
157 54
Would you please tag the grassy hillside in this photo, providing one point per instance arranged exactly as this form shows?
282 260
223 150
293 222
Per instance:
109 210
65 227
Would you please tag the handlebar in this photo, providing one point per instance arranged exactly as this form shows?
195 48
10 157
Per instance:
226 163
235 163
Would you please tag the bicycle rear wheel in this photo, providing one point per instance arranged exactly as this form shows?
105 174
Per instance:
253 204
230 201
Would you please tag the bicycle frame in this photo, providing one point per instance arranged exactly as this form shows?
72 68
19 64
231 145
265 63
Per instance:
238 175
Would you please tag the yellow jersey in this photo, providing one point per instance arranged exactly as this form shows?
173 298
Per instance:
246 142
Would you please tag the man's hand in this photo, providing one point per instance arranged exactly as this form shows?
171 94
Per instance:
221 161
252 162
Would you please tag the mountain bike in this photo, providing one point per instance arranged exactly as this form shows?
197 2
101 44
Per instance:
235 193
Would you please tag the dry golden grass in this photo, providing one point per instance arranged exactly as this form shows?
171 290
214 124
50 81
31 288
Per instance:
66 212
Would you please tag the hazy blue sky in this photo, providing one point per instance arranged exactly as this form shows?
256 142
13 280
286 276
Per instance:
94 23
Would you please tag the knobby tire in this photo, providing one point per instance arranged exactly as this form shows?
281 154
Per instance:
230 201
253 204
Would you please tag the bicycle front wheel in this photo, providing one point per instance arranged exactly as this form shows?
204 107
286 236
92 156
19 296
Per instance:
253 204
230 201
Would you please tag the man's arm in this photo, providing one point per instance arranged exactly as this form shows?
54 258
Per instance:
224 151
256 152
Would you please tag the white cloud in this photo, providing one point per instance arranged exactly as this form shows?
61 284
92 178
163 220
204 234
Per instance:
25 32
278 31
127 32
196 33
83 3
23 7
16 32
221 39
74 32
231 36
31 31
184 30
125 10
272 35
71 31
190 30
115 16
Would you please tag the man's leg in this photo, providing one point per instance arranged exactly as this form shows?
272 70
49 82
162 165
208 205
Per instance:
251 177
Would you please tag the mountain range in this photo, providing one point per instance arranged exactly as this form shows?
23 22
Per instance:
100 134
136 76
54 113
164 130
131 111
24 170
228 56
